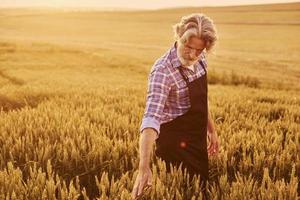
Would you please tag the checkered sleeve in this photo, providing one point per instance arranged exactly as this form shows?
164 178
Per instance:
157 93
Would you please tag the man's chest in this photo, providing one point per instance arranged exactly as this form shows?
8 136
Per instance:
179 89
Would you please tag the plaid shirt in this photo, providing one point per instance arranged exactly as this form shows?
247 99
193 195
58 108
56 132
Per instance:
167 95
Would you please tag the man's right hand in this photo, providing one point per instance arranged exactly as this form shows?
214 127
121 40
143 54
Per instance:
144 177
143 180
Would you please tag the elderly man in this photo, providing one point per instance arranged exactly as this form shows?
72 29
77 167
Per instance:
177 115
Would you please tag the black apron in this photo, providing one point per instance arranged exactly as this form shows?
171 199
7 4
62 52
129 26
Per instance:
184 139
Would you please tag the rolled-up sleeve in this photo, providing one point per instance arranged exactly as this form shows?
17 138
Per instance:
157 93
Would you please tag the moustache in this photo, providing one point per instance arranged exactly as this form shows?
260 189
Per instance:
192 58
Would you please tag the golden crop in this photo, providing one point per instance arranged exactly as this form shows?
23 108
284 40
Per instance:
72 95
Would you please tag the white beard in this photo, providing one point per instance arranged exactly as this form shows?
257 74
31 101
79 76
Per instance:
186 62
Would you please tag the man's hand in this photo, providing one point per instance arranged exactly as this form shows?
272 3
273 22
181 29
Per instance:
214 144
143 181
144 177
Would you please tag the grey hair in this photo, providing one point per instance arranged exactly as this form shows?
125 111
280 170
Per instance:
199 25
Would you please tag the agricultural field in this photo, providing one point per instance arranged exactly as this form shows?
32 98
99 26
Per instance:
73 86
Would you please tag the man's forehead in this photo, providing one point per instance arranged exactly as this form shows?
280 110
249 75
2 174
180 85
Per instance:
196 43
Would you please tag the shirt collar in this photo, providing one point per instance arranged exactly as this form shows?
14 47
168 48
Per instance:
173 56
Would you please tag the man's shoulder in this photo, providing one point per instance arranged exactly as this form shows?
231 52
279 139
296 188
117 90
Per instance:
162 65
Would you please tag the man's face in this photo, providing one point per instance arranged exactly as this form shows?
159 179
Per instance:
189 53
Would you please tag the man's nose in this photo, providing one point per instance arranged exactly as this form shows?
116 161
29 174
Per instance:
195 52
193 55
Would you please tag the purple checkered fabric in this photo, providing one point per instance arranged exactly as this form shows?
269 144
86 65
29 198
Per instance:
167 95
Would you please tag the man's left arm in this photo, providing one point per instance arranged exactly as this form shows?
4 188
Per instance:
214 144
210 124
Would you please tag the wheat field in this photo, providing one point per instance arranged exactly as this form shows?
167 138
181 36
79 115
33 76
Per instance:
72 95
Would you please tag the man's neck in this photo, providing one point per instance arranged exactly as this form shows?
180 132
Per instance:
191 67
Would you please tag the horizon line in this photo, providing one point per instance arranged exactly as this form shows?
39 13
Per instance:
138 8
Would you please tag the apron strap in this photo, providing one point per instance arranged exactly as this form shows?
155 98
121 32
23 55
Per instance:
202 64
183 75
